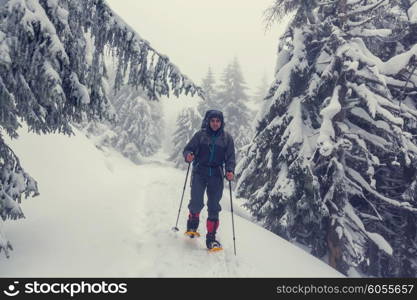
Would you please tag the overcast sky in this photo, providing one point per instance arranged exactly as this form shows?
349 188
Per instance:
196 34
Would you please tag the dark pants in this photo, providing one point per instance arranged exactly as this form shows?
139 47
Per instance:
214 185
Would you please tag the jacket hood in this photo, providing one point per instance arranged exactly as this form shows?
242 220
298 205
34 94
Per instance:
213 114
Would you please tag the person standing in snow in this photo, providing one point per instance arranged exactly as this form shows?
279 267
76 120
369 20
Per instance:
211 149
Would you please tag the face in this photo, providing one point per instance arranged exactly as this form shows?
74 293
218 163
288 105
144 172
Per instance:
215 124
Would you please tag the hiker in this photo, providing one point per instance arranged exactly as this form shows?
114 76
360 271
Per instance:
209 149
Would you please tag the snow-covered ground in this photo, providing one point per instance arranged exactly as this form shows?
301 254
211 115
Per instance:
99 215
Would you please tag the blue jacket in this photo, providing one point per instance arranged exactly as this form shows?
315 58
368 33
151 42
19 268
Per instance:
212 149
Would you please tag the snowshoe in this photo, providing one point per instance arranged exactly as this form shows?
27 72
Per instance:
212 244
214 247
192 225
192 234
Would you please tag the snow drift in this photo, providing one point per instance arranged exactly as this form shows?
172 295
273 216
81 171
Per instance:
100 215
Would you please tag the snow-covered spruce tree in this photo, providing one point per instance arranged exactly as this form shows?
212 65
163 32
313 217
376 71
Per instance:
258 99
262 89
139 124
100 132
188 122
136 130
210 94
232 98
48 77
208 85
333 164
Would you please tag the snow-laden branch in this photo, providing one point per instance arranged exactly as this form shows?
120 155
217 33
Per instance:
412 13
359 23
327 134
370 32
4 242
362 182
375 102
367 8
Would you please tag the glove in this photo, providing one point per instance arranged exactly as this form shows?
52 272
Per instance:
189 158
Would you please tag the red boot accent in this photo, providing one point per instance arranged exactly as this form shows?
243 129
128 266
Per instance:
193 215
212 225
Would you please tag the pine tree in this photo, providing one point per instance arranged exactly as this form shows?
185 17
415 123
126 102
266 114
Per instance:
233 98
50 77
136 130
210 94
258 100
188 122
139 124
100 132
262 89
333 164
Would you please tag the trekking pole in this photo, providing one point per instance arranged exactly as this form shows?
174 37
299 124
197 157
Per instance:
175 228
233 222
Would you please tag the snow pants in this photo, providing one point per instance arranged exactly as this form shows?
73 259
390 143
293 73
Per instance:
199 184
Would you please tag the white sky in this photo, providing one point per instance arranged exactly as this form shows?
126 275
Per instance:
196 34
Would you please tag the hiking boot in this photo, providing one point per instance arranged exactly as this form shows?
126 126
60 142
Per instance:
192 224
212 243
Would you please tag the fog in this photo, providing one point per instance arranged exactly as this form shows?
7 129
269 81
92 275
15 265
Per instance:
196 34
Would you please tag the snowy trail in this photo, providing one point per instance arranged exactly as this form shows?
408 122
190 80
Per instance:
99 215
170 254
